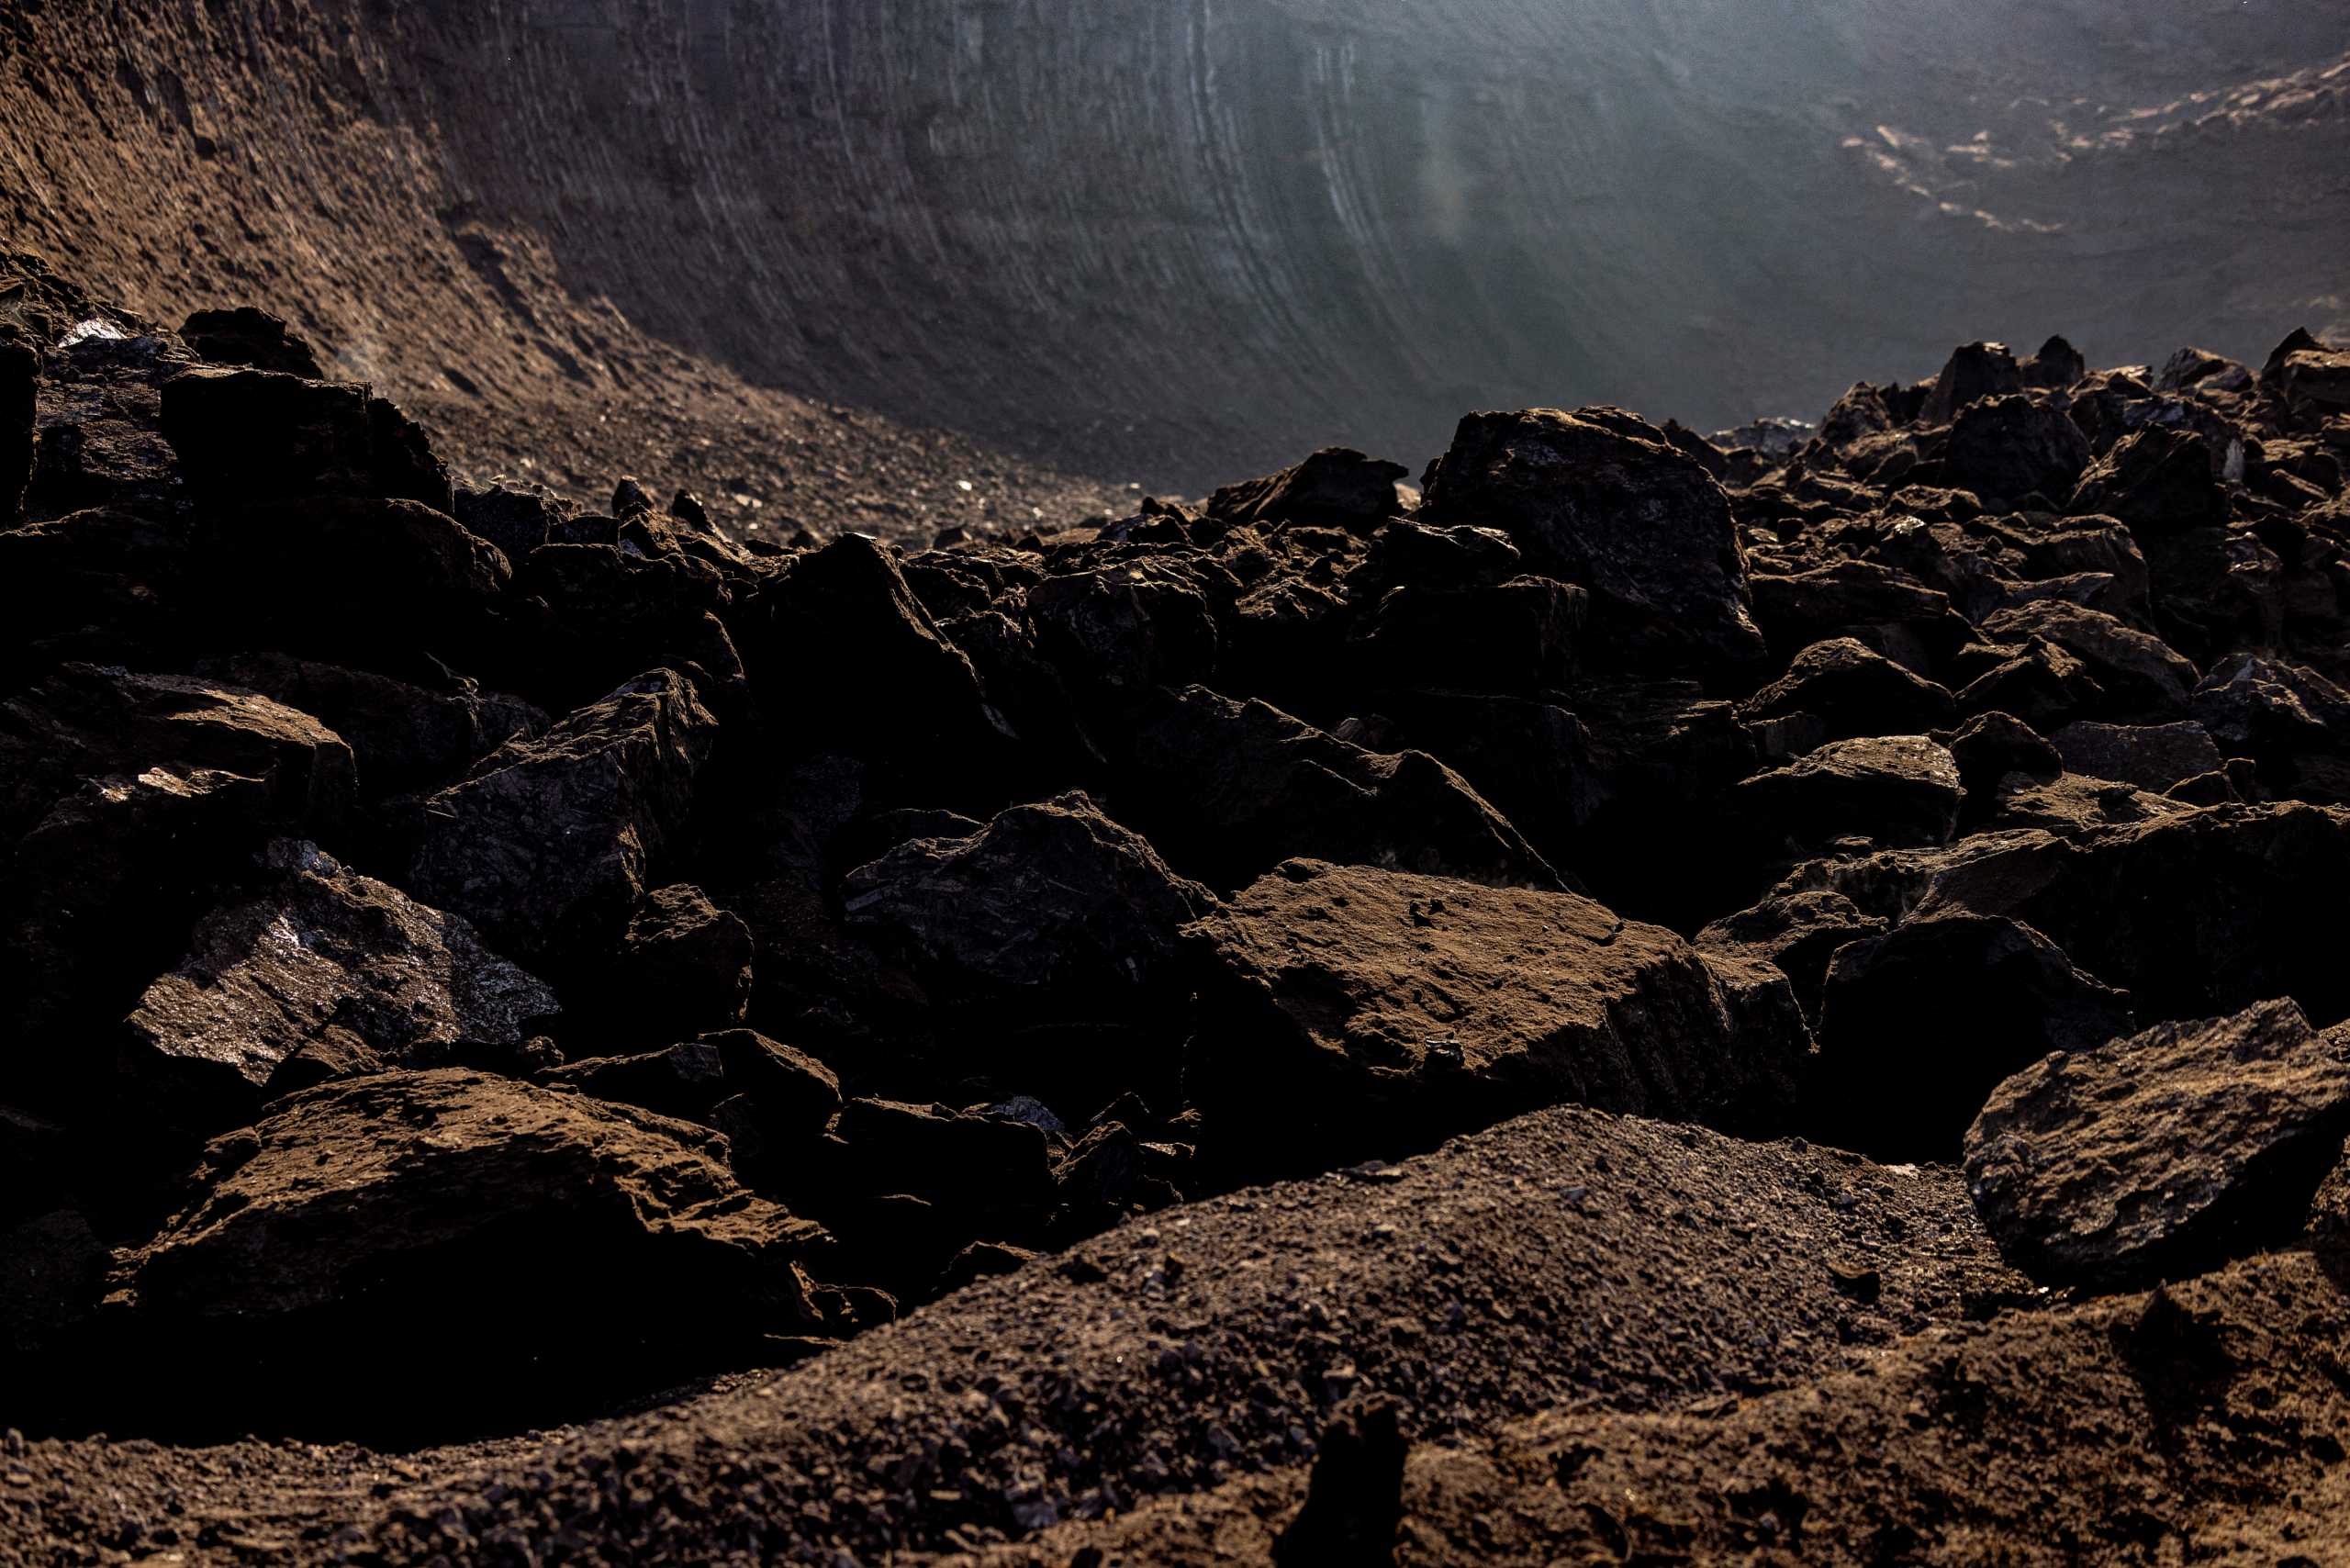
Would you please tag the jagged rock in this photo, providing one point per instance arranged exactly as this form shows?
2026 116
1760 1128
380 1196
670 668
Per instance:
2039 683
1991 745
1229 790
1348 1011
1917 1025
1053 915
1893 790
1532 759
1125 630
104 586
19 379
791 1095
2142 680
100 894
1414 554
2075 804
861 663
2163 1154
516 521
2058 366
317 958
251 337
1336 488
1855 690
683 965
1598 498
2158 481
475 1233
1973 372
2011 447
407 578
609 611
251 435
549 843
2256 927
2153 757
2290 721
1515 636
964 1163
1354 1497
1843 597
404 737
2308 375
90 720
1797 934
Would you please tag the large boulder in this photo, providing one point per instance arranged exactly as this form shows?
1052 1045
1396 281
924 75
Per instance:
2152 757
404 736
319 973
1337 486
1854 690
1891 790
550 845
406 577
2158 481
1349 1011
2162 1155
1516 635
1799 933
1052 900
1917 1025
845 655
1229 790
248 435
2141 679
2291 721
1599 498
476 1236
683 965
2256 925
2008 448
1046 946
1973 370
89 721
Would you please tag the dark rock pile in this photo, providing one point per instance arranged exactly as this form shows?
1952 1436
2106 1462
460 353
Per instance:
566 951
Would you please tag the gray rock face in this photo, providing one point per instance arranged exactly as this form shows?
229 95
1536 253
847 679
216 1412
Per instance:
1599 498
1350 1006
2162 1153
321 959
549 842
1898 790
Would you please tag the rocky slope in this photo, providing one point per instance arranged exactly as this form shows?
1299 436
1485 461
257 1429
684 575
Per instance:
920 1051
1163 242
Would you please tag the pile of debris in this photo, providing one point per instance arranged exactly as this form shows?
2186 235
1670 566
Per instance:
564 952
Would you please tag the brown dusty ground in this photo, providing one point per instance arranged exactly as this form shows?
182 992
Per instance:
1564 1261
2203 1424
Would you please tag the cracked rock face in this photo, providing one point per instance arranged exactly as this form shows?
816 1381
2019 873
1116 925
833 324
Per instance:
327 964
2172 1149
